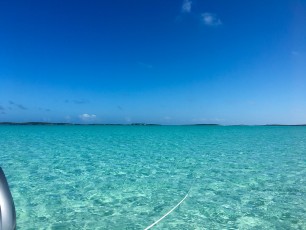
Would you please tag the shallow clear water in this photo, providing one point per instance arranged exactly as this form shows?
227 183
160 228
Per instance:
126 177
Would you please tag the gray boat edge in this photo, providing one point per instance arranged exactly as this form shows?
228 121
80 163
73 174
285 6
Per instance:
7 207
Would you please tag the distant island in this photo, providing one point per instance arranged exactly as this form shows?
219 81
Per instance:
131 124
33 123
62 123
284 125
205 124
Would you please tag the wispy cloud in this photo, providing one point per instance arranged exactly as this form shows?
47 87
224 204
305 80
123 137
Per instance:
19 106
210 19
22 107
88 117
186 7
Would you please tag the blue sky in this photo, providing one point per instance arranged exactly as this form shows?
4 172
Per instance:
168 62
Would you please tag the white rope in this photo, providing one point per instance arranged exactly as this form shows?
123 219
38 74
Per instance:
156 222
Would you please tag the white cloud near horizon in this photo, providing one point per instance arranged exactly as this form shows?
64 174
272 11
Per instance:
87 117
186 7
210 19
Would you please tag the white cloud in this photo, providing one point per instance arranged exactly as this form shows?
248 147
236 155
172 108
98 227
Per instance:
210 19
186 7
87 117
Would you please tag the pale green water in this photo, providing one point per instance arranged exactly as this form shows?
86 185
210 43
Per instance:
126 177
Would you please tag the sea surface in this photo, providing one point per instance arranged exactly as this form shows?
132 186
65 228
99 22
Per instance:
127 177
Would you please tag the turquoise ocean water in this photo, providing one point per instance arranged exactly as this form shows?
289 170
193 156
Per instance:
126 177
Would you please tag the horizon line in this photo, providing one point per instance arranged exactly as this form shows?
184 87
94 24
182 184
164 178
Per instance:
138 124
